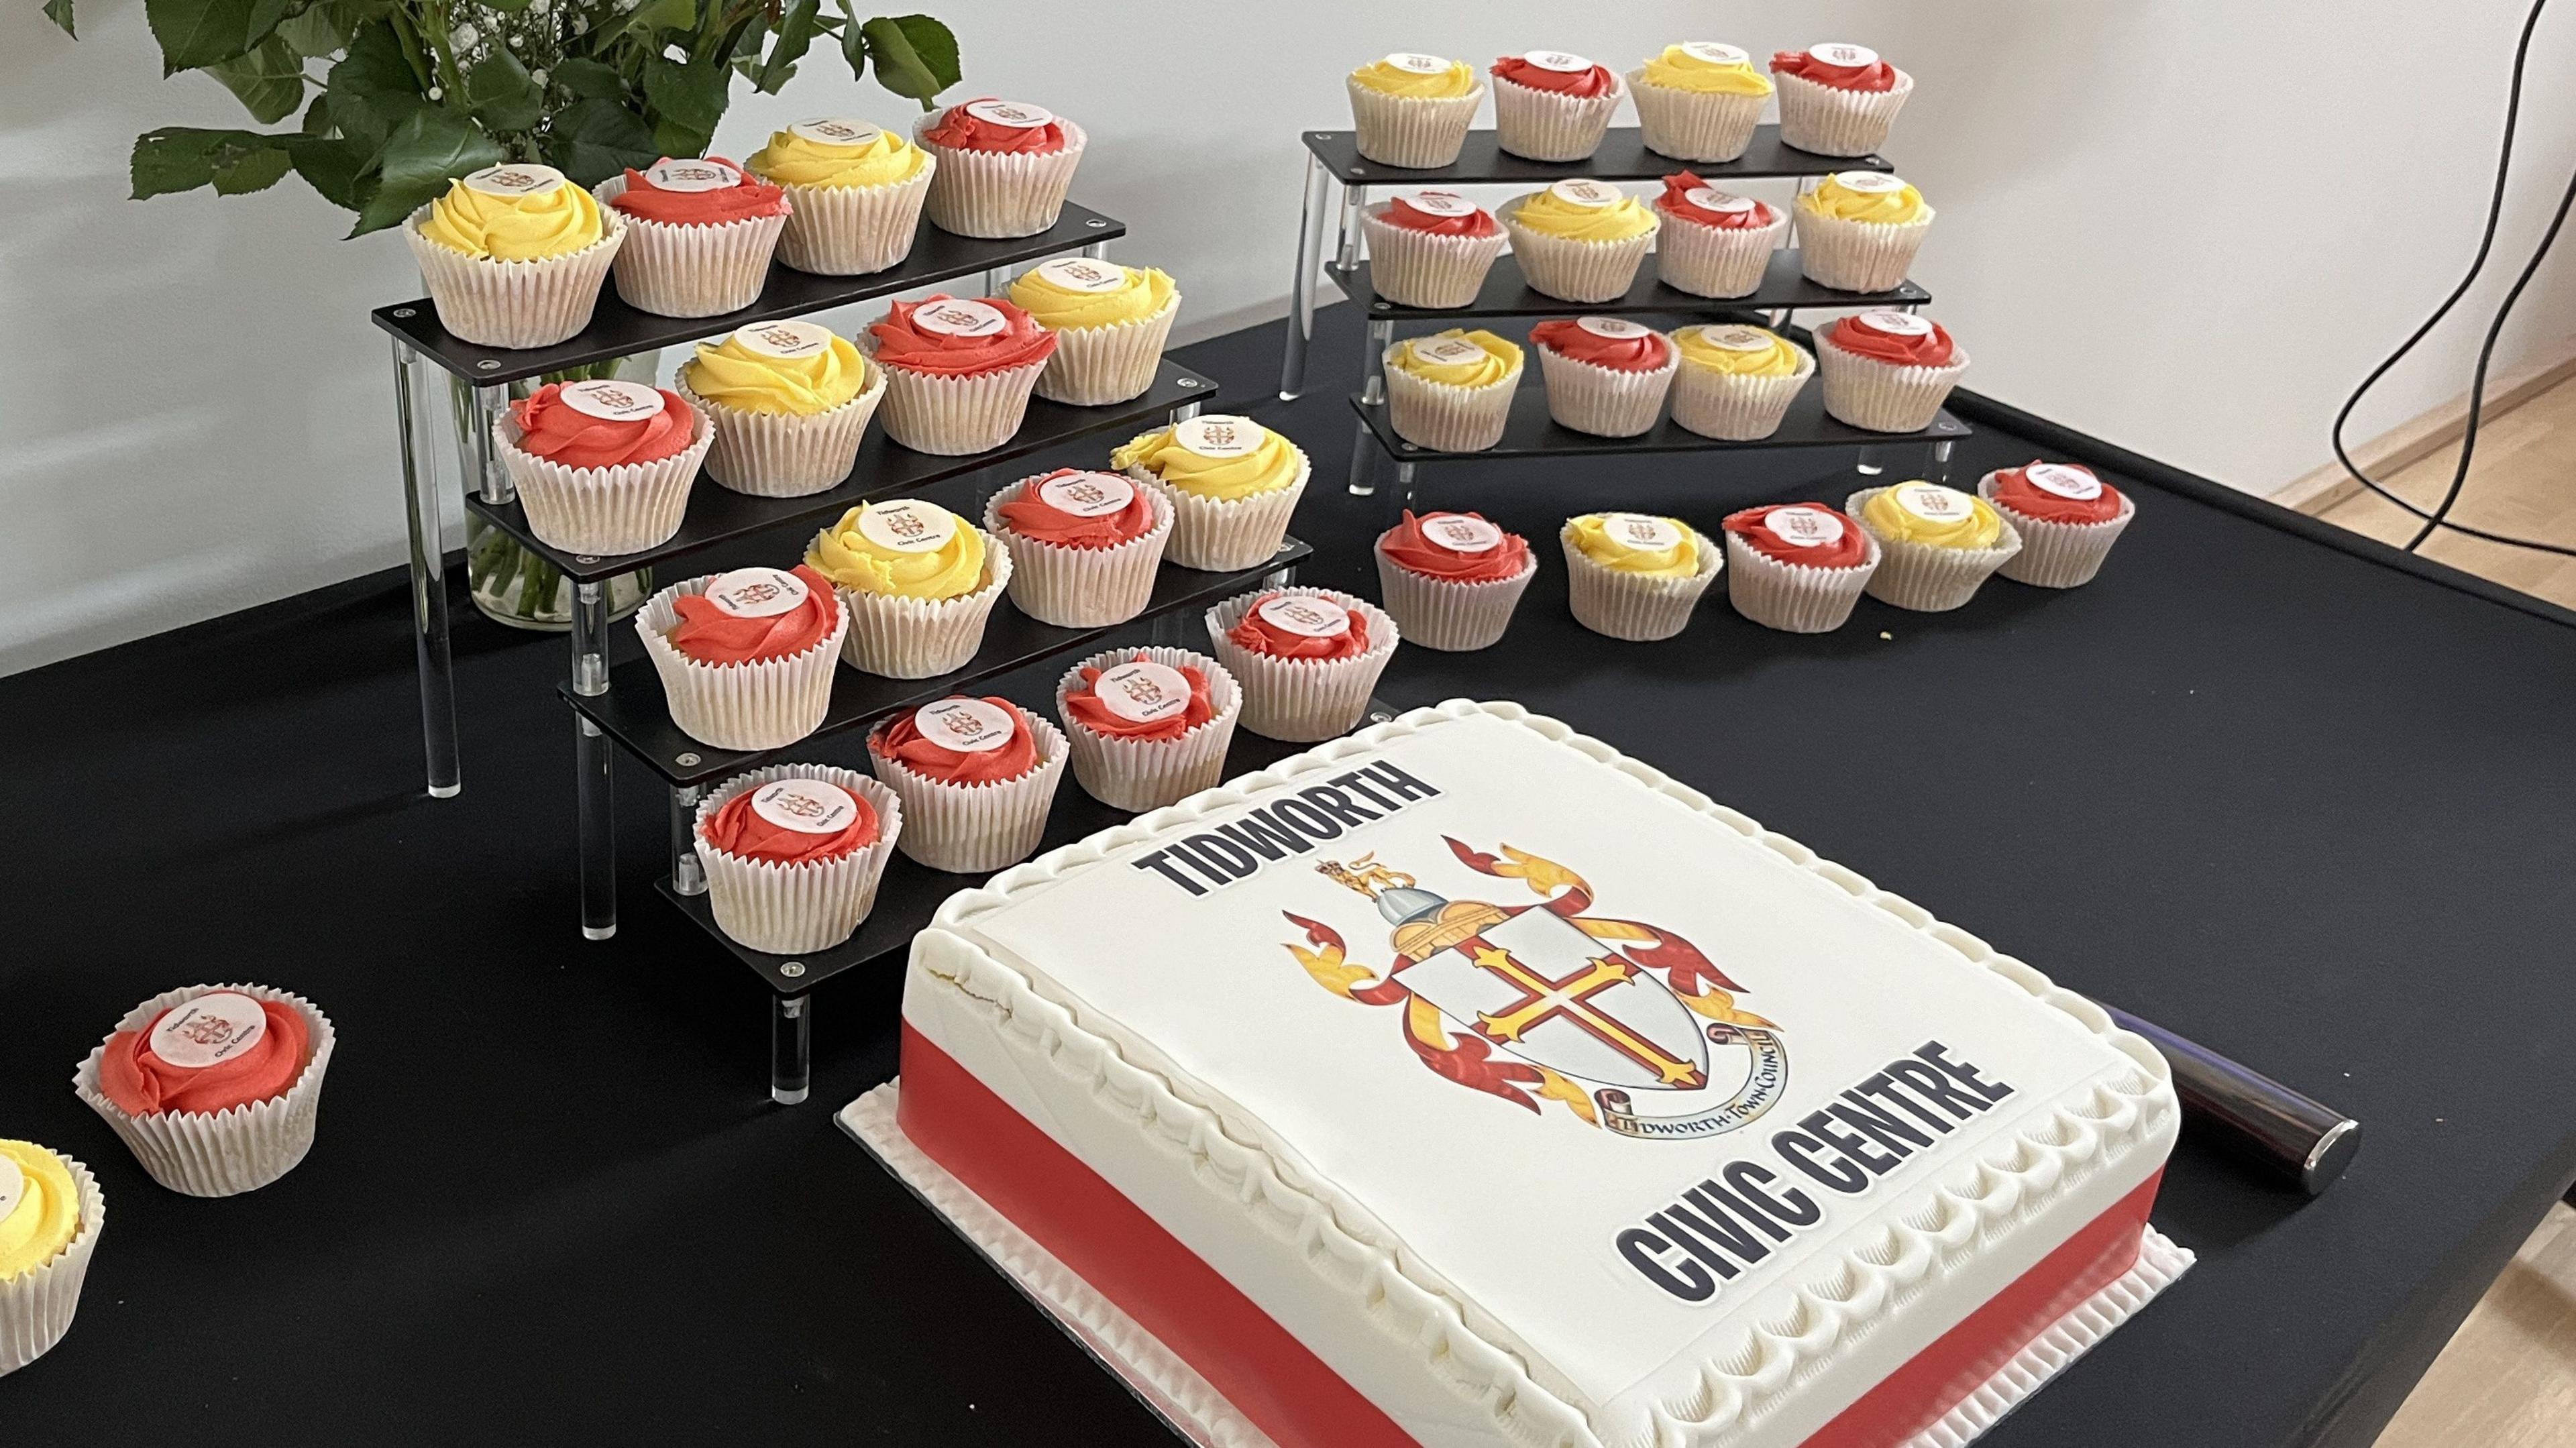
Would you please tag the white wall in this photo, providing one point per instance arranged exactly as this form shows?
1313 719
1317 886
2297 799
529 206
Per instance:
2187 227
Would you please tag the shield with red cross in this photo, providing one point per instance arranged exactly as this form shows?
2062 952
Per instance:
1538 987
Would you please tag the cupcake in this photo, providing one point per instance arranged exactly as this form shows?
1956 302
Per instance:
1003 167
1231 483
514 255
854 193
1430 248
1859 230
1305 657
793 854
2067 518
1148 727
698 236
1084 545
746 657
976 777
1580 241
1838 100
1109 323
1887 371
958 372
1713 243
603 467
51 1212
1699 101
1413 110
1736 382
1796 567
918 581
213 1088
1452 391
1634 576
1605 375
1939 543
790 402
1552 105
1451 580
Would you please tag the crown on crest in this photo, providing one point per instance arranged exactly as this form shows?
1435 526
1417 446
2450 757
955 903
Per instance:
1365 875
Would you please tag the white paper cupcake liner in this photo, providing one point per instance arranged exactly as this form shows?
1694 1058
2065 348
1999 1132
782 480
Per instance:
1833 122
1859 256
225 1153
786 454
621 509
1694 125
1446 417
1417 132
1143 774
763 704
1303 701
972 828
691 270
37 1305
954 416
849 231
1096 366
791 908
515 303
1444 614
1883 396
1217 534
1424 268
1795 597
1605 401
1576 271
999 194
2054 554
922 638
1543 125
1924 578
1735 408
1633 606
1716 261
1082 587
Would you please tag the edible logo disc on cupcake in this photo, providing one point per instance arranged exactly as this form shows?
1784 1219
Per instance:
1849 57
1142 691
835 132
1563 61
612 401
957 318
1587 193
786 341
1933 503
1738 338
1082 274
1313 618
1803 527
807 806
1439 203
969 726
1461 534
907 526
1417 63
2065 480
1443 351
1867 183
1642 532
1895 324
1217 435
1011 113
514 179
13 1185
1709 198
692 176
1715 53
209 1030
757 592
1616 328
1087 495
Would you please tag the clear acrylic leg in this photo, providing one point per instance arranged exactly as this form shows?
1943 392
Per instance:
791 1049
485 469
1381 335
1364 461
1301 292
1937 467
593 757
418 446
688 876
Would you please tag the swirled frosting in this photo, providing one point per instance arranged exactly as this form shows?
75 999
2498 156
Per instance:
1454 78
1497 359
1644 351
738 828
1878 75
901 739
1929 514
1083 706
1678 68
1475 221
902 341
742 199
1775 356
1413 546
1262 636
708 634
143 1084
557 431
1677 201
528 218
1032 517
47 1214
1138 295
1599 537
1809 534
1864 338
735 374
882 159
1552 213
1586 83
2060 498
1833 197
961 129
1271 463
848 555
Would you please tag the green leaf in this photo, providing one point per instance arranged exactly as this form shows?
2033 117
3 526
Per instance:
269 82
195 34
337 170
433 147
317 32
182 158
795 37
60 12
502 96
591 141
373 89
653 15
914 55
254 171
685 102
589 80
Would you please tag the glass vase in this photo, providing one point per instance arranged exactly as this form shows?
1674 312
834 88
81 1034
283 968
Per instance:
512 585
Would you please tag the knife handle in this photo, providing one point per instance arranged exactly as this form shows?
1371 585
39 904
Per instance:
2293 1136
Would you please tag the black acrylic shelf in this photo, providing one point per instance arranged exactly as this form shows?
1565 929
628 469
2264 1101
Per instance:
1622 156
1505 294
1531 433
885 469
633 711
618 330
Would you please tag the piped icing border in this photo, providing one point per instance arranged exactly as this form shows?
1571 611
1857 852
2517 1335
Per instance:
1794 1331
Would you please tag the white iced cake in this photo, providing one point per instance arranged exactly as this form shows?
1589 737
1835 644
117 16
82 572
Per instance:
1463 1082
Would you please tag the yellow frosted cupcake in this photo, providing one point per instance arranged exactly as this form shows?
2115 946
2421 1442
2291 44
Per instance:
791 402
1859 231
1636 576
1414 110
855 191
1938 543
1580 240
51 1212
1699 101
1110 323
1452 391
918 580
1736 382
1232 484
514 255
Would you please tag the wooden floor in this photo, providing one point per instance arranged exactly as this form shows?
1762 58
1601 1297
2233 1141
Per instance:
2508 1378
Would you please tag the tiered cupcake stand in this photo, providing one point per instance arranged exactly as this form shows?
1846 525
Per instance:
624 705
1333 158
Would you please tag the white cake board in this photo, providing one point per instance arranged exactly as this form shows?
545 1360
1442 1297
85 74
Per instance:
1200 1414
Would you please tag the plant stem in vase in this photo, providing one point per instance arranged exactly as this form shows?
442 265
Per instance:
510 584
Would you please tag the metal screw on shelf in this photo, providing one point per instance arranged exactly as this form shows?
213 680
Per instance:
406 312
585 558
1097 224
1381 306
489 364
1186 382
1409 447
792 969
685 761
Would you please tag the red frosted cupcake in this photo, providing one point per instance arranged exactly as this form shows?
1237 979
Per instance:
1430 248
699 235
1004 167
215 1089
605 466
1306 658
1797 567
1838 100
958 372
1887 371
1148 727
746 657
1451 580
977 777
1605 375
1553 105
2068 519
1714 243
1084 545
793 854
